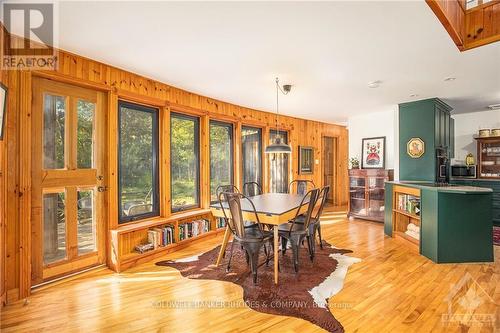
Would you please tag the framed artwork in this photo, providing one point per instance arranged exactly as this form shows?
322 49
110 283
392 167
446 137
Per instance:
415 147
3 102
306 160
373 153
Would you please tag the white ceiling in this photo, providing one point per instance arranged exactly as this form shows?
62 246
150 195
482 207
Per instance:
329 51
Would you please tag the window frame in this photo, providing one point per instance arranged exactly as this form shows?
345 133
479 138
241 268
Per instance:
156 167
230 126
197 137
261 153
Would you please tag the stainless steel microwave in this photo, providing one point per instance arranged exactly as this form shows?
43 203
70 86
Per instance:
463 171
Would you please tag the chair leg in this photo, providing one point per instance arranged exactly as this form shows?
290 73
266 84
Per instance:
310 246
319 235
295 249
283 245
266 252
230 256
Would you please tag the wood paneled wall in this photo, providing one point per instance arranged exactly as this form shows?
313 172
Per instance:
121 84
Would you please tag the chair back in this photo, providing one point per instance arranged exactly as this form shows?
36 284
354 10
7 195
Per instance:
321 202
301 186
236 222
310 200
226 188
252 189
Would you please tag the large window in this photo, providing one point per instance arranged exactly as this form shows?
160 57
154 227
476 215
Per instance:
221 156
251 147
138 162
278 165
184 162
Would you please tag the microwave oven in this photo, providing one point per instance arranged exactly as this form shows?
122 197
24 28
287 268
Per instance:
463 171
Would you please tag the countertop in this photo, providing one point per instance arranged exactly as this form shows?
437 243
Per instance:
443 188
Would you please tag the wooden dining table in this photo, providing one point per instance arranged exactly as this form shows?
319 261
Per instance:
272 209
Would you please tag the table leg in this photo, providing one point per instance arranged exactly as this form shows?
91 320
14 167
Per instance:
276 254
227 234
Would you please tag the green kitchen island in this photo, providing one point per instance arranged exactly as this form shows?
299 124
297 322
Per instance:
447 224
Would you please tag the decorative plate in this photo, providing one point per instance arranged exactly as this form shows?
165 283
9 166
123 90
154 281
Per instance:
415 147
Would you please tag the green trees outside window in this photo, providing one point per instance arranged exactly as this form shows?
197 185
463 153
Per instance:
137 162
184 162
221 156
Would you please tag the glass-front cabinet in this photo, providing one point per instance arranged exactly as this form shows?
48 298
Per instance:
366 193
488 152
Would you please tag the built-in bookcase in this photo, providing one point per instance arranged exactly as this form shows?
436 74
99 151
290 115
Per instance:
406 215
167 234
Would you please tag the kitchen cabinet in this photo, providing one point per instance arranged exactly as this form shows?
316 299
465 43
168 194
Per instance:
494 185
429 120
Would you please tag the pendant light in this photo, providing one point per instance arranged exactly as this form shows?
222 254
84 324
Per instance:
278 146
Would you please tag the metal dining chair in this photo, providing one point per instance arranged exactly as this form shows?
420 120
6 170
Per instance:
251 189
296 232
251 239
301 186
315 223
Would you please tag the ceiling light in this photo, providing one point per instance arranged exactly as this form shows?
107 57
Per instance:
494 106
450 79
414 95
374 84
278 146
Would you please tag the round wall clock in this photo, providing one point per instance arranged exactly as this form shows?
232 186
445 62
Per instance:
415 147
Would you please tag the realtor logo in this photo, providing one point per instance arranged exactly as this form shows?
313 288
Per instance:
31 36
470 305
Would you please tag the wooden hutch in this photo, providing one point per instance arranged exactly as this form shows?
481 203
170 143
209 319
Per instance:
367 192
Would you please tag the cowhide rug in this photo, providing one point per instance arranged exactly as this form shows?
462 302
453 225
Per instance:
304 295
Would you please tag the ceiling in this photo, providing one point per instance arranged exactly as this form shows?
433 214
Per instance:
329 51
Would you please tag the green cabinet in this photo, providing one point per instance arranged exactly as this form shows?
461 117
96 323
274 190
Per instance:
494 185
429 120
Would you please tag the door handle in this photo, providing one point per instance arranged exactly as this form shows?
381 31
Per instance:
102 188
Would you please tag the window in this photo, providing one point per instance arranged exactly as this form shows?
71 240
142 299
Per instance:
137 162
251 148
184 162
278 164
221 156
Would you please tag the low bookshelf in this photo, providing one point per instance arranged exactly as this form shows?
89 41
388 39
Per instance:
165 234
406 216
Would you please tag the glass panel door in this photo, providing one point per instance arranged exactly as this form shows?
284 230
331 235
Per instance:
357 195
67 180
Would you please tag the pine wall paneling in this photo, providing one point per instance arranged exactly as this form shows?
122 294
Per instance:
119 84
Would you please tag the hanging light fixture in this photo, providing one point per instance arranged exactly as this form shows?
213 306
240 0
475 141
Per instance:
278 146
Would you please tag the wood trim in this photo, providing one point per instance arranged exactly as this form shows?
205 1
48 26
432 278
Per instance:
205 161
124 95
165 195
55 76
453 23
25 185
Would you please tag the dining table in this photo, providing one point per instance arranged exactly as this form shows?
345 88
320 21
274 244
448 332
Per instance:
273 209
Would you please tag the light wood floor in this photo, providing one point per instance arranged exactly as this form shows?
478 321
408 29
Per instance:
391 290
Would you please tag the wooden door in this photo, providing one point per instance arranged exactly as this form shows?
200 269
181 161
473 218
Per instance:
68 182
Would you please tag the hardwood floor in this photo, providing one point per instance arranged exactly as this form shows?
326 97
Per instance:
392 290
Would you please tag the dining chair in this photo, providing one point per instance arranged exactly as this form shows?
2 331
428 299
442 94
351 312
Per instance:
296 232
251 189
315 224
226 188
251 239
301 186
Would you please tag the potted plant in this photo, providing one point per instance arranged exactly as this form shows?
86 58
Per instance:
354 162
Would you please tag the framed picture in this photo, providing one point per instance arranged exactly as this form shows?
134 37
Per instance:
306 160
373 153
3 102
415 148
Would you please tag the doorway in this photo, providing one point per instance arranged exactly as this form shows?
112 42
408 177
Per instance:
329 162
68 224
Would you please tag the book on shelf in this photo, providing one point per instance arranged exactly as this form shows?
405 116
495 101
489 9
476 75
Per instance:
221 222
193 228
409 203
